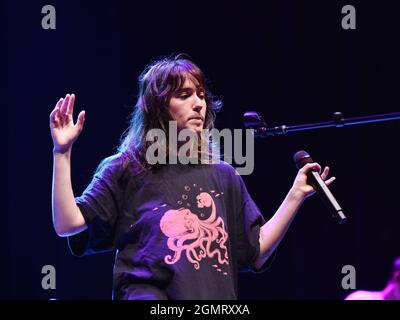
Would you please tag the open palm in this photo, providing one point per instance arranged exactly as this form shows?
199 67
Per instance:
63 130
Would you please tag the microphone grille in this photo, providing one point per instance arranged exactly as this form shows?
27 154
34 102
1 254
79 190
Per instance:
301 158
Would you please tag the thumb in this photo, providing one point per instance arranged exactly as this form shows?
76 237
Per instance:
81 119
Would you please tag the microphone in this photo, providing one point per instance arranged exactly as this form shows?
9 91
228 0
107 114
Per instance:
252 119
315 180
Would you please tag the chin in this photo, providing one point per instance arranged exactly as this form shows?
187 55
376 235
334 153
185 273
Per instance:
198 130
195 129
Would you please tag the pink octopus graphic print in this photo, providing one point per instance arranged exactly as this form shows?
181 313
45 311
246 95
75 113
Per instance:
194 237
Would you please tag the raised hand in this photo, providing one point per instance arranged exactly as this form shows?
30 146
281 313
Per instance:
63 130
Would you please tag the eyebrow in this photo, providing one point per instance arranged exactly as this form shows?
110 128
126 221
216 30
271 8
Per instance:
190 88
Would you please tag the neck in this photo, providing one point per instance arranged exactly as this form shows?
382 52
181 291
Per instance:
190 146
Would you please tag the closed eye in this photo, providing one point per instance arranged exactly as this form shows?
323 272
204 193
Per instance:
183 94
188 92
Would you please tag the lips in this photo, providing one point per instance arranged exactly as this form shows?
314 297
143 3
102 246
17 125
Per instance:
196 118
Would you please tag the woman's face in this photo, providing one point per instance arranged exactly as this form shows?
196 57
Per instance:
188 106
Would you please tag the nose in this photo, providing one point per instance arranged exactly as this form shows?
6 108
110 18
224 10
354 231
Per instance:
198 103
197 107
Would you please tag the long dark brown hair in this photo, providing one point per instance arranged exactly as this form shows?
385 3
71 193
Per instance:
157 83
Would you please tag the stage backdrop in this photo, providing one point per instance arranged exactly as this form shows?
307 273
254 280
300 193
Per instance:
291 61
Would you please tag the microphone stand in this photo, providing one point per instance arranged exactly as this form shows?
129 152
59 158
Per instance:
254 121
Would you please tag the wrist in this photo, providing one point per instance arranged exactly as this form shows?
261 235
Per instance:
57 151
297 195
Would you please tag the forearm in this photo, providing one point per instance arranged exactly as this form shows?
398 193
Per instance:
272 232
67 218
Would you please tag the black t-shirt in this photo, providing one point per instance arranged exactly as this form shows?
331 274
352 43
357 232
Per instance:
181 231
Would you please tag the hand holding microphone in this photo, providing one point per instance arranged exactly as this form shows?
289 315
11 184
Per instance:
309 181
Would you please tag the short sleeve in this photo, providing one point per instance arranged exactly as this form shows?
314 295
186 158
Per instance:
249 222
100 205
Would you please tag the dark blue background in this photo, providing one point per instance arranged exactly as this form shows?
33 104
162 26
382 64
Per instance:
289 60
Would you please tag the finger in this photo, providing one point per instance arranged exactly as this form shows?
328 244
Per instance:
311 166
59 103
330 180
58 108
64 105
53 120
55 110
70 107
55 114
325 173
81 120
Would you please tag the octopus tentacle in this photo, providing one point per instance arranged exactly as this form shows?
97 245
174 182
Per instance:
196 263
199 236
171 260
